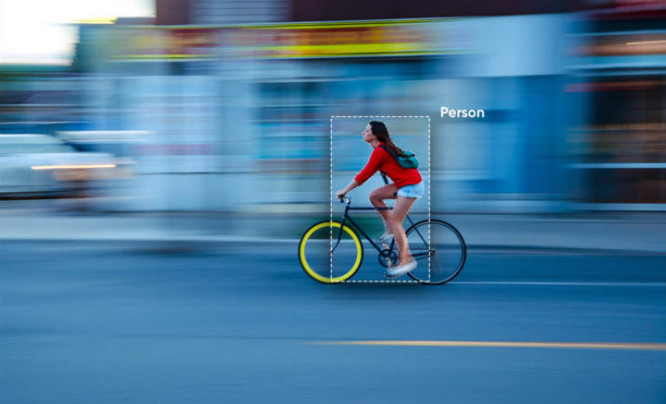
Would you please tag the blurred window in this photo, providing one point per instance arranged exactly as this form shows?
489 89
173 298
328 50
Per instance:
623 143
627 120
29 144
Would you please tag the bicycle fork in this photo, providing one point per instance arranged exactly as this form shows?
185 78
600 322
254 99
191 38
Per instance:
342 226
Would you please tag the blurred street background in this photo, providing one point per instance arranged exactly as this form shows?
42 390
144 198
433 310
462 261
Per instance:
160 159
223 107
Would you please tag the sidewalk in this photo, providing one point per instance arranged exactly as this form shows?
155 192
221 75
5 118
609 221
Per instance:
620 232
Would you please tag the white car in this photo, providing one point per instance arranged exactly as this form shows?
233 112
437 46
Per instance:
42 165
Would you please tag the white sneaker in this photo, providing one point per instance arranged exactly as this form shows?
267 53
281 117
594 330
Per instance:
402 269
385 239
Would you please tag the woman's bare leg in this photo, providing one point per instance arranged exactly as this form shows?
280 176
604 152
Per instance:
377 197
400 210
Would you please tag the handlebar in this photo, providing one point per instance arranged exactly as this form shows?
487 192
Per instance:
345 200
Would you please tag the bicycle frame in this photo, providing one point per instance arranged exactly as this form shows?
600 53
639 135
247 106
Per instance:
346 217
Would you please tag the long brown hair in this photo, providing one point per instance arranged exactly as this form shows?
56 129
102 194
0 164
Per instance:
379 129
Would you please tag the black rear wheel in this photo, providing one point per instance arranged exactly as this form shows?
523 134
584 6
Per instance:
439 249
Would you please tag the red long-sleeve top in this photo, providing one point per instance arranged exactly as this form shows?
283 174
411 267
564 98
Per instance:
380 160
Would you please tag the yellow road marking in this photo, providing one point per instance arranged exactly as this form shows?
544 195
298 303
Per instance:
507 344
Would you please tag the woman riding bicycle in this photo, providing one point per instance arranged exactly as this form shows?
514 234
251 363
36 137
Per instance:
406 188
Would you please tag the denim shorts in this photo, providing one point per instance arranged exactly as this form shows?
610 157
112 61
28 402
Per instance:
412 191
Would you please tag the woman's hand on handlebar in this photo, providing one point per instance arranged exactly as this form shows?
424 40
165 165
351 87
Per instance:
343 192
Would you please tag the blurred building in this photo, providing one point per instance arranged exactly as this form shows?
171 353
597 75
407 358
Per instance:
277 85
238 107
40 99
619 79
216 12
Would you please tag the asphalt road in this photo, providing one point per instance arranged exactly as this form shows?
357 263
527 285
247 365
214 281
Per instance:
155 323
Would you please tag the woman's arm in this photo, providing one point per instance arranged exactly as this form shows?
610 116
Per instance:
376 158
370 168
341 193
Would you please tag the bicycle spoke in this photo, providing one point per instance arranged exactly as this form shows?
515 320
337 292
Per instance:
327 265
439 250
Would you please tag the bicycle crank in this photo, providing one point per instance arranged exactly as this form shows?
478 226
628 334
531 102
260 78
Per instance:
387 257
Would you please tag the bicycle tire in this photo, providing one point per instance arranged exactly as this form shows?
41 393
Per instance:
317 261
444 255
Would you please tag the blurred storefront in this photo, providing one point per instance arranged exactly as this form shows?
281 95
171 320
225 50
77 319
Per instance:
619 147
248 107
238 116
268 92
312 71
40 99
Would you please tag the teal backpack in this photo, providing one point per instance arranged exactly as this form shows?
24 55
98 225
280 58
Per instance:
408 161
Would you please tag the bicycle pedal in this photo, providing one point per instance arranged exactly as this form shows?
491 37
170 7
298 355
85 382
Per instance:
387 276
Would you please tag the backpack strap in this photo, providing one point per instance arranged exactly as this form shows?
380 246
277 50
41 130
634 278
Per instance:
407 161
389 151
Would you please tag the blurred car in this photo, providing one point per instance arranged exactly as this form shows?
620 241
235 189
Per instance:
42 165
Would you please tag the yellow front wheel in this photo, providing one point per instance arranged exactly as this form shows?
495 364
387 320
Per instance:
324 259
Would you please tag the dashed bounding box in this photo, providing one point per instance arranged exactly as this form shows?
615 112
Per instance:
331 182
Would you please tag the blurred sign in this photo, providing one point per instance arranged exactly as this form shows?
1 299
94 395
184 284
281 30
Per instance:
336 40
167 44
316 40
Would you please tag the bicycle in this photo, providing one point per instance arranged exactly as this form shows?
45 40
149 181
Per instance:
330 251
